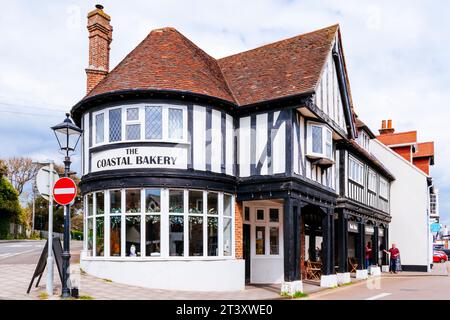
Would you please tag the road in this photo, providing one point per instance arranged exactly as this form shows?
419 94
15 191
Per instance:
402 287
29 251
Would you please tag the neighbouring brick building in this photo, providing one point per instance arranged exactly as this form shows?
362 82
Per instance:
201 173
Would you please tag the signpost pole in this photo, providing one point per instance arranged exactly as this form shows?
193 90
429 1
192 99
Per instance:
50 234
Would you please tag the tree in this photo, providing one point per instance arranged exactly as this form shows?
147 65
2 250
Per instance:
3 168
19 171
10 209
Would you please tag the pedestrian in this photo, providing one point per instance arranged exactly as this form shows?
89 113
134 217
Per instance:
395 256
368 254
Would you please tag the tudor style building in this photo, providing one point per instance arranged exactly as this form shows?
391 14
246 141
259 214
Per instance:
199 174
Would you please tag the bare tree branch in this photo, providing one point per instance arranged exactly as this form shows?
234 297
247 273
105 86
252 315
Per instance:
19 171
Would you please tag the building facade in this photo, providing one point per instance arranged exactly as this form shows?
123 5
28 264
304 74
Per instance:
202 174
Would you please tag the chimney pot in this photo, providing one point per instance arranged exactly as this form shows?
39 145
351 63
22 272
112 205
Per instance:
389 124
383 124
99 6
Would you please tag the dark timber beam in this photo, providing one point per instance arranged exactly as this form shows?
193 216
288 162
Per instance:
360 242
291 234
342 239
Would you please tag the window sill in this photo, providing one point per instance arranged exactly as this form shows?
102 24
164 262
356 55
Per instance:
320 160
160 259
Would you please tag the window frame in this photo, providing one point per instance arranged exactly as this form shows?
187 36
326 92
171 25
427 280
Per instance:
384 192
326 133
267 224
372 185
142 122
353 174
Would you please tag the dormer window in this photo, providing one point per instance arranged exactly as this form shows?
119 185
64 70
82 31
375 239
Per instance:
320 144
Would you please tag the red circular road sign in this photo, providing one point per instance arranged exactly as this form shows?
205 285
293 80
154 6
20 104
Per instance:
64 191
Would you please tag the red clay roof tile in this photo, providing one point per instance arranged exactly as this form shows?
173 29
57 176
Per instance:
166 60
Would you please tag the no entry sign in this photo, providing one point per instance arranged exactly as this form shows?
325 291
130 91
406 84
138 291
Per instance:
64 191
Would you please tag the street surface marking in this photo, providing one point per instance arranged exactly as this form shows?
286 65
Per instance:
8 255
379 296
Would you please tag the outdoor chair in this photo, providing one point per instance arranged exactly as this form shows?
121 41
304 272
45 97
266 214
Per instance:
353 264
313 270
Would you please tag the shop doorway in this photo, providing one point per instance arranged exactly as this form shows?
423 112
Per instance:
247 254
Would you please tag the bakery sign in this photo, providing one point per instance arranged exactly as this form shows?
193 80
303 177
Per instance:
140 157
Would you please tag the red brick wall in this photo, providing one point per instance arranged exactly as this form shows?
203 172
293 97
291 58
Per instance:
405 152
100 37
238 221
423 164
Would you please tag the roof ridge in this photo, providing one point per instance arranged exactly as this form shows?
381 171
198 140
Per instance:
280 41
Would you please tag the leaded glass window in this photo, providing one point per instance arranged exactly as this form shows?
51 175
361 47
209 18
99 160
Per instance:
115 125
132 114
153 123
175 123
317 139
133 131
99 128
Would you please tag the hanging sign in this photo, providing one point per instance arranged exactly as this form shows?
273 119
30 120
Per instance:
369 230
140 157
352 227
381 232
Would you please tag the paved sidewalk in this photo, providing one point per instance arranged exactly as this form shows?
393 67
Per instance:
15 278
14 281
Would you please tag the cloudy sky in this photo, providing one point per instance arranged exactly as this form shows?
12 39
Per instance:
396 51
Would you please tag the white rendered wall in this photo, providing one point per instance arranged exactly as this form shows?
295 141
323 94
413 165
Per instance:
192 275
409 200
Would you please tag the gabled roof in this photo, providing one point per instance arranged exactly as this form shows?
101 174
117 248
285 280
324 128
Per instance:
389 139
166 60
284 68
424 149
360 125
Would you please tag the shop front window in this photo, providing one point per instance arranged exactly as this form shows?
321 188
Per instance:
152 200
274 241
133 201
133 236
153 235
176 201
213 242
227 236
195 236
212 203
176 235
115 236
90 234
100 203
115 201
90 204
99 236
195 201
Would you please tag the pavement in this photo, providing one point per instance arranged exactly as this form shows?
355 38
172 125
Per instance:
18 260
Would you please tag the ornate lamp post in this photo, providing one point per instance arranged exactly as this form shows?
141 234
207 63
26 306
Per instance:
67 135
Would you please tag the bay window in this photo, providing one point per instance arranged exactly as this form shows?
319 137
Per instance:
161 223
319 141
140 122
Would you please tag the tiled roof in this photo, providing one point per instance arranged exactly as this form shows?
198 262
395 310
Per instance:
424 149
409 137
166 60
279 69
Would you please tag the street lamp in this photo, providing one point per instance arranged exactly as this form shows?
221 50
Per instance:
67 135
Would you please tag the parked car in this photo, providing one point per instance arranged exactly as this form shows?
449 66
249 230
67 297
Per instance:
439 256
438 247
447 252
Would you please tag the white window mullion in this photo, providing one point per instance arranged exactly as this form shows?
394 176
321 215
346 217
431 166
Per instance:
164 223
122 224
165 123
205 225
186 223
233 227
220 227
106 239
143 242
85 238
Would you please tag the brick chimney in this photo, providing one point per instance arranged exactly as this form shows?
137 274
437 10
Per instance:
386 129
100 37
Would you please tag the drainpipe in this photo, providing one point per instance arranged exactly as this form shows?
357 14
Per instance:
430 242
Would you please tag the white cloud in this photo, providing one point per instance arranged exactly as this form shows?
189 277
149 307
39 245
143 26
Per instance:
396 53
